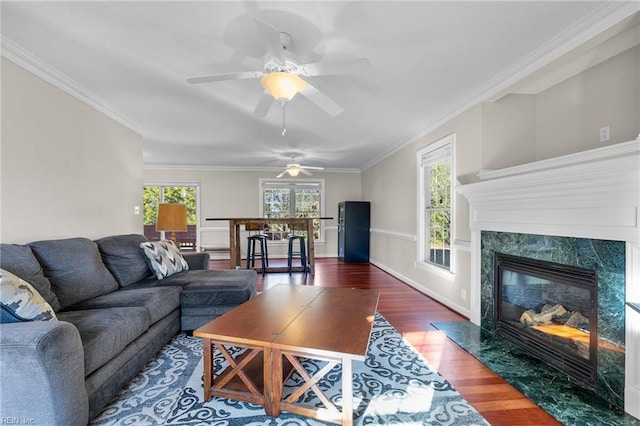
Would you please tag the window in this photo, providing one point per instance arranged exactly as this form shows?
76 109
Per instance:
435 171
292 198
154 194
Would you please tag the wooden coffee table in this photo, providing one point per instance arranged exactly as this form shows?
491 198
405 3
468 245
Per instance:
275 330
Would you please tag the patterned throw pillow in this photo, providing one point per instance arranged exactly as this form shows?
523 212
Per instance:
164 257
19 301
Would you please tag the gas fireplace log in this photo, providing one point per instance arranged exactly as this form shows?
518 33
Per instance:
530 317
576 319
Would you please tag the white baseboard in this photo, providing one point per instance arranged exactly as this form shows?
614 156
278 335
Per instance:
446 302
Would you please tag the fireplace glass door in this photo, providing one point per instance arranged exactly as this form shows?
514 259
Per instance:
550 310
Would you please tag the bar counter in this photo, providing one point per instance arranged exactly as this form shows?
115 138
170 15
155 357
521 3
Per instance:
295 223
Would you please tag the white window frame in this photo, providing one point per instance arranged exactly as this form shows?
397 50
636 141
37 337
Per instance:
444 146
301 183
195 184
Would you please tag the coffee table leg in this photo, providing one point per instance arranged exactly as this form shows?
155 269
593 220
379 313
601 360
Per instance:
272 381
208 368
347 392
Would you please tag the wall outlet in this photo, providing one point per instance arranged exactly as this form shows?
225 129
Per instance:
604 134
136 210
463 294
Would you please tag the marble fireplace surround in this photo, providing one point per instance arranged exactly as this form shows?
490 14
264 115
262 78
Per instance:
593 194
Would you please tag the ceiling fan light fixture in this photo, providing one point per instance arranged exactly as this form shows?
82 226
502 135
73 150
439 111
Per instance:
283 85
293 171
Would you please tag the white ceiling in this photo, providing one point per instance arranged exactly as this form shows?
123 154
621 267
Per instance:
429 61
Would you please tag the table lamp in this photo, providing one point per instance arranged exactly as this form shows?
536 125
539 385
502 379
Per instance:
172 217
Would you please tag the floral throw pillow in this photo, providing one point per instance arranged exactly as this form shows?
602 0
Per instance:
164 258
19 301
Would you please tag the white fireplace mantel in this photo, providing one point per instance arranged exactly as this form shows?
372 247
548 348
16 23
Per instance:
591 194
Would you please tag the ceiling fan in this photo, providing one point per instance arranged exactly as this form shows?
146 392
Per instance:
294 169
282 75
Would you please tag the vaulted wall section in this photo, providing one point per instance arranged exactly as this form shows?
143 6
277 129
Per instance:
516 129
67 169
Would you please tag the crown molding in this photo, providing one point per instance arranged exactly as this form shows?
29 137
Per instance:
16 54
206 168
604 17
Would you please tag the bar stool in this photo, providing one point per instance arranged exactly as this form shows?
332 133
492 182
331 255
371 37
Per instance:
252 253
301 253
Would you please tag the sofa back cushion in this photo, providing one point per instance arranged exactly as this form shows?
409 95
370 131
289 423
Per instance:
124 258
20 261
75 269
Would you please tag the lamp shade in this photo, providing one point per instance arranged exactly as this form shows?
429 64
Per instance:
283 85
172 217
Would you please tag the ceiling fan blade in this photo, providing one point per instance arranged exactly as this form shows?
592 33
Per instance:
225 76
305 172
312 167
351 66
321 100
271 37
264 104
282 174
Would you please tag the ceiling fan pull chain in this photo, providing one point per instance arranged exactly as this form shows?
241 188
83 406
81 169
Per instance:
284 124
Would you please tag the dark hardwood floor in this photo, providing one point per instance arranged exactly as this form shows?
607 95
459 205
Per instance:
412 313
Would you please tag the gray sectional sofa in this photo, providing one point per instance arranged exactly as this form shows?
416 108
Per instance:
113 316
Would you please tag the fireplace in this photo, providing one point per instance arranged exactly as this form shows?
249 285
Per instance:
567 261
549 309
583 210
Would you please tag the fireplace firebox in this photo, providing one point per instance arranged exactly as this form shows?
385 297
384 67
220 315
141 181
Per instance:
550 310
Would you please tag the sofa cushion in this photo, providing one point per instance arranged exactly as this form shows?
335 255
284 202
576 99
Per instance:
20 261
164 258
197 260
194 318
211 287
19 301
106 332
121 254
220 288
74 268
158 301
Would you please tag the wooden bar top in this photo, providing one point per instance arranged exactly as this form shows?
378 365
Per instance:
274 219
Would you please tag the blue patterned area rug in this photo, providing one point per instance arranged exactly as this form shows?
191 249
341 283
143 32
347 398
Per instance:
395 385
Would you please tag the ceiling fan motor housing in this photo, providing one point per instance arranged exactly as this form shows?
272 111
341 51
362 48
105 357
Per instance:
285 40
289 66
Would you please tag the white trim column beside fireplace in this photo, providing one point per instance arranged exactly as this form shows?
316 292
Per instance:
592 194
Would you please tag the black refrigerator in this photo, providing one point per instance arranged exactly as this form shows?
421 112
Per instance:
353 231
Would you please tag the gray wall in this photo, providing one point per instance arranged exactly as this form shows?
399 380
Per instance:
517 129
395 210
67 169
236 194
569 115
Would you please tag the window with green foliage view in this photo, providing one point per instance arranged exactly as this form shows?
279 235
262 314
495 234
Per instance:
439 213
291 199
435 164
152 195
